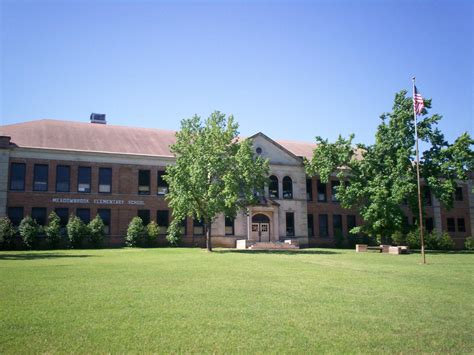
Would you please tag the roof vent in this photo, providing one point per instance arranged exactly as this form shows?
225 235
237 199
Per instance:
98 118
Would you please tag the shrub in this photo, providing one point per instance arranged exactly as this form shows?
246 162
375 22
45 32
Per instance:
174 233
7 232
53 229
96 231
433 241
135 232
29 231
439 241
152 232
76 231
469 243
399 238
413 239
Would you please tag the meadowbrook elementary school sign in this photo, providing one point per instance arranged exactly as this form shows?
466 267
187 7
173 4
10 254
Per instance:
97 201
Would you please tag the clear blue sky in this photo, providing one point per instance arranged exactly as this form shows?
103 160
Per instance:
292 69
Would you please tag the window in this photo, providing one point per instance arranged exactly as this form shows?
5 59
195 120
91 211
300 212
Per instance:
458 196
144 215
310 226
309 189
351 222
321 192
39 215
337 225
40 177
144 182
15 214
105 215
429 224
323 225
162 218
461 225
105 180
162 184
84 179
63 175
63 214
84 214
229 226
273 187
17 176
451 225
334 185
290 224
287 188
198 227
427 195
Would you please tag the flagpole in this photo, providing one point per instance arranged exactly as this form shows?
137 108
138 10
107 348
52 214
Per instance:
420 224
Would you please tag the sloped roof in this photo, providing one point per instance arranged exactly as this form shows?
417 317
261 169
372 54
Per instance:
85 136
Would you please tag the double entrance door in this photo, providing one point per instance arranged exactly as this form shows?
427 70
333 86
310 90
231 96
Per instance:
261 232
260 228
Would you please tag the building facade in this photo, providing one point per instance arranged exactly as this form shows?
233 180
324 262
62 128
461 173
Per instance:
117 172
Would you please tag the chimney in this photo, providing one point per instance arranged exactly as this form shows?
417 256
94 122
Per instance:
5 142
98 118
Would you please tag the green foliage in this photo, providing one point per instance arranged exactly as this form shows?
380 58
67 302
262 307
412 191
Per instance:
469 243
53 229
29 231
438 241
433 241
399 238
7 232
376 179
135 232
76 231
174 233
96 231
152 232
215 172
413 239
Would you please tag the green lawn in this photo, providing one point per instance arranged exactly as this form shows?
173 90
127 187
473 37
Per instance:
188 300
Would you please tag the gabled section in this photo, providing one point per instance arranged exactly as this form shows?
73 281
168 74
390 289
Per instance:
273 151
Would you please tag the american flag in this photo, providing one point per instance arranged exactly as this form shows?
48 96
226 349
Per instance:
418 102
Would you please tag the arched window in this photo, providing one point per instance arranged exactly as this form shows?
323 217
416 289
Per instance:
273 187
287 188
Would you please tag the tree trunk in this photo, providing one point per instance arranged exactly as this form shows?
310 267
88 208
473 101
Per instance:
208 227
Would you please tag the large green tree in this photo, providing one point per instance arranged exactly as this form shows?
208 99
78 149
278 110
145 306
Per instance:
215 171
377 179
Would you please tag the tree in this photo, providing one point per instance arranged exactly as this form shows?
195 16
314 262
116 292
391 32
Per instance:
53 229
215 171
76 231
29 231
96 231
377 179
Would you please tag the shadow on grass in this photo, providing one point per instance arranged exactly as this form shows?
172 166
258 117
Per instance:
38 256
276 251
451 252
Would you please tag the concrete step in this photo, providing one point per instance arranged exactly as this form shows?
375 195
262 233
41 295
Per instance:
272 246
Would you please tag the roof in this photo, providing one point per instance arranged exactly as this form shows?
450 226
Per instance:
106 138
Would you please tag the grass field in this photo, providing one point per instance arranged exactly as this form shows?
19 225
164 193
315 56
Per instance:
188 300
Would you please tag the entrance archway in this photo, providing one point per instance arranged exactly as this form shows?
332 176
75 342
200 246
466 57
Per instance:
261 228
